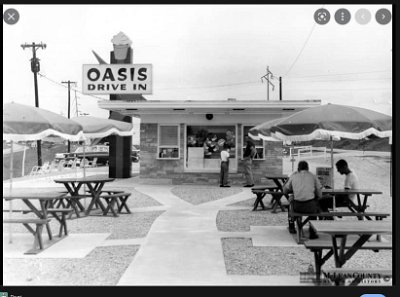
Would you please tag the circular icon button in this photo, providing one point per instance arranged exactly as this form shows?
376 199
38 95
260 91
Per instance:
322 16
11 16
383 16
363 16
342 16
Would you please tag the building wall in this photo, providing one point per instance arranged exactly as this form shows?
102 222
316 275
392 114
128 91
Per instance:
153 168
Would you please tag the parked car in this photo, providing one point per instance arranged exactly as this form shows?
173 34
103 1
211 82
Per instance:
101 152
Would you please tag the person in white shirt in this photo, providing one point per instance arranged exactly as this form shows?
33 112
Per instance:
350 182
224 166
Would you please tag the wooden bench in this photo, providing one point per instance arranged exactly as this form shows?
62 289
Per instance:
317 246
261 191
110 192
339 275
74 203
300 223
61 219
118 199
37 233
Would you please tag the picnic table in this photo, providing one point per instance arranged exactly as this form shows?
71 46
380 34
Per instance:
94 184
340 245
360 205
46 201
278 179
261 191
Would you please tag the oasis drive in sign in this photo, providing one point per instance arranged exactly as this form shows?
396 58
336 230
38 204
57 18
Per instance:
117 79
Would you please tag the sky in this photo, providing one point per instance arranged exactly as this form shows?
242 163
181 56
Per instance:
202 52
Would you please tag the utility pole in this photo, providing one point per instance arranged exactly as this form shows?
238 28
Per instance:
268 77
280 88
35 67
69 105
76 104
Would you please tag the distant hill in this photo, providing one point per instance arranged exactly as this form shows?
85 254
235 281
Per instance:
374 144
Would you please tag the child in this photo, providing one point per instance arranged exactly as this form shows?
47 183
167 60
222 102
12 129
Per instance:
224 167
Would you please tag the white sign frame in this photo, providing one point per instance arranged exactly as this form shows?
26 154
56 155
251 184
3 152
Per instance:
106 79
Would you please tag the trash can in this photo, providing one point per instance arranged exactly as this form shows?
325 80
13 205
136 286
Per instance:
324 175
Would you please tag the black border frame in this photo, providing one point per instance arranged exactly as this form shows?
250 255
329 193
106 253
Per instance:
274 290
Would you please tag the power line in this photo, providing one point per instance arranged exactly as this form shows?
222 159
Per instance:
69 104
338 74
301 51
61 85
346 80
213 86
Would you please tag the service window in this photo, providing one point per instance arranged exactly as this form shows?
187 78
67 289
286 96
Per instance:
204 145
259 144
168 142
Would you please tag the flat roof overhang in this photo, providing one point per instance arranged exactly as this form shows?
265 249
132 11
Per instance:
158 107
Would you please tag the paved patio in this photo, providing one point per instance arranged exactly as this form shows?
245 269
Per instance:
182 247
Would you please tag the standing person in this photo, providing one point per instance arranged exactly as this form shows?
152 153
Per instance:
306 189
224 166
350 182
248 155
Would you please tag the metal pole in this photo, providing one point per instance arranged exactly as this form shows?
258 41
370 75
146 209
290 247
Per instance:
11 179
23 162
332 179
391 150
69 112
280 88
267 83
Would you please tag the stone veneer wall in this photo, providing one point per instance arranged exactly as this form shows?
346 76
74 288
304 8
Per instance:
151 167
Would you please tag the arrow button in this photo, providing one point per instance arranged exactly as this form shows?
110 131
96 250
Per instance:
383 16
363 16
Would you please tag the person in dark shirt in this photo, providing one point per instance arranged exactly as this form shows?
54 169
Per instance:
248 155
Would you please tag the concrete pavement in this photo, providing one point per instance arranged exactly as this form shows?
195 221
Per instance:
183 246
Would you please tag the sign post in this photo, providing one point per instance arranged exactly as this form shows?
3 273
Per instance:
122 80
119 157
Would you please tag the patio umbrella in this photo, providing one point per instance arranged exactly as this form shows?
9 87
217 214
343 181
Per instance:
28 123
94 127
263 131
332 121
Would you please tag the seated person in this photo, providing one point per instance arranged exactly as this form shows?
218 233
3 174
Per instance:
350 182
307 190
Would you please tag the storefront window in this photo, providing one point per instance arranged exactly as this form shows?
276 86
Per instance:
204 145
168 142
259 144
